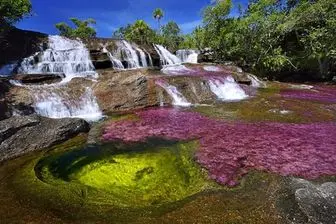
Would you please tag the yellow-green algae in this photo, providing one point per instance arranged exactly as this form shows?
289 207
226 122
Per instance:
134 175
35 189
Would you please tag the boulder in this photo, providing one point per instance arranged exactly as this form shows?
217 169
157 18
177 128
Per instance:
39 78
122 91
23 134
334 79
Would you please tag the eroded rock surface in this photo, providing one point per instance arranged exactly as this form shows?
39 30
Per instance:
20 135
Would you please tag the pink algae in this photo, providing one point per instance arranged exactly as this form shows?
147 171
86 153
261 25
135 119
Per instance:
324 93
230 150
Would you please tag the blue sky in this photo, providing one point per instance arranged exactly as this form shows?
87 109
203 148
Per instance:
112 14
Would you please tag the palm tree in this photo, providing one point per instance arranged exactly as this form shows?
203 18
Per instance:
158 14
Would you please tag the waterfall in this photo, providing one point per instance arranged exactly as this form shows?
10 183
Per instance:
257 83
66 56
142 57
166 57
188 56
131 55
116 63
53 104
178 98
227 89
150 59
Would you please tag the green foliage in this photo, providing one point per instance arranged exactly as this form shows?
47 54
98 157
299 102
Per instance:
272 37
82 28
171 36
139 32
12 11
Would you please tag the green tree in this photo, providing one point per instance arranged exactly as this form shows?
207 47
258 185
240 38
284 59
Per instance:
82 28
158 15
171 35
139 32
12 11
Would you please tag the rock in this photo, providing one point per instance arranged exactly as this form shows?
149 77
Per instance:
206 56
20 135
39 78
308 202
334 79
4 88
124 91
16 44
100 60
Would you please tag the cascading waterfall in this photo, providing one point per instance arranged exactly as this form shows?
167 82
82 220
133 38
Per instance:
188 56
227 89
166 57
66 56
150 59
116 63
143 57
178 98
53 104
131 55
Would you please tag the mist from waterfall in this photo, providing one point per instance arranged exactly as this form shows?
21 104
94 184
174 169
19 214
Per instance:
188 56
166 57
227 89
55 104
177 97
63 56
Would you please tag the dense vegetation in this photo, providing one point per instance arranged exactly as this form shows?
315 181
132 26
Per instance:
271 37
82 28
12 11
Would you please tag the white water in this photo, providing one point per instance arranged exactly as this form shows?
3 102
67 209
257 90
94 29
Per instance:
211 68
131 55
257 83
116 63
176 70
188 56
142 57
66 56
227 89
52 104
166 57
178 98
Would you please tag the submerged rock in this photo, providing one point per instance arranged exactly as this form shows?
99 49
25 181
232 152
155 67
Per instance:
20 135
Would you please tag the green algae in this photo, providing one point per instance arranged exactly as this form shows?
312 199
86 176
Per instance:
54 187
130 176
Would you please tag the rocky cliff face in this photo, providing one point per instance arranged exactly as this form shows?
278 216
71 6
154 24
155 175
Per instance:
16 44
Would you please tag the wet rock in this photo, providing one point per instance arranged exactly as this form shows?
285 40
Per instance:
39 78
20 135
121 91
206 56
317 202
16 44
101 60
4 110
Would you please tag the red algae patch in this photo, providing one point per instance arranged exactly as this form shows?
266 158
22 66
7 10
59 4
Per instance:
230 150
326 94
